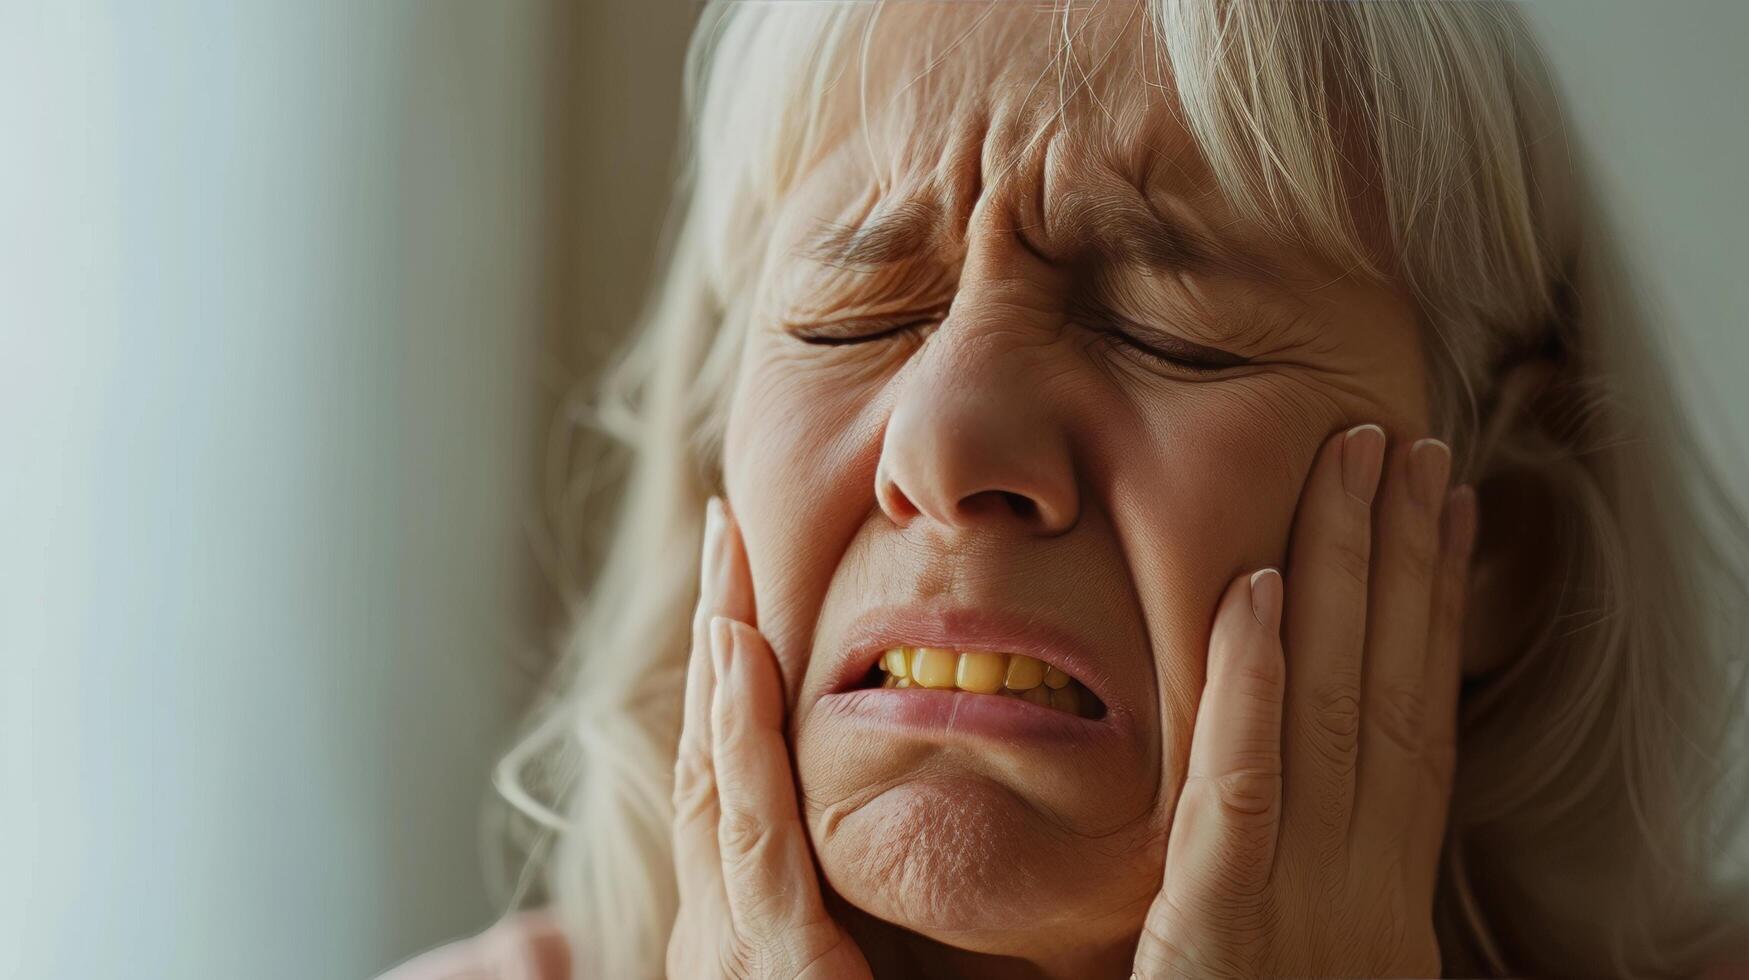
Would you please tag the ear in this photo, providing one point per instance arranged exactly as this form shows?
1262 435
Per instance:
1517 520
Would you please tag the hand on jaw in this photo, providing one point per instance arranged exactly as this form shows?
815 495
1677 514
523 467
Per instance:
1306 837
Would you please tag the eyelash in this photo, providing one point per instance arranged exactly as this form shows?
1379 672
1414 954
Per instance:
911 326
891 329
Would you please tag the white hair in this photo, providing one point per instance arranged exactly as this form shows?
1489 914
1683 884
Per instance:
1589 809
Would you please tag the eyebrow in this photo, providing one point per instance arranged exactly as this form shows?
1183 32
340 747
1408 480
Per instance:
1114 231
905 231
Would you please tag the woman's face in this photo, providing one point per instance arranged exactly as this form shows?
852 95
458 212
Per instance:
1011 473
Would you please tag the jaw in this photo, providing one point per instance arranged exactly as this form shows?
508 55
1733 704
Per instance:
963 861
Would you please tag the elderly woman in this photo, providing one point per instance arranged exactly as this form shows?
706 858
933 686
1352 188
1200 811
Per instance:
1178 496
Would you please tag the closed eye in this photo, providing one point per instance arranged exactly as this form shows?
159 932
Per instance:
1196 365
1157 345
860 331
1161 347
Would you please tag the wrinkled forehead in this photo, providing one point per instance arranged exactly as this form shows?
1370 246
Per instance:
1064 119
1017 64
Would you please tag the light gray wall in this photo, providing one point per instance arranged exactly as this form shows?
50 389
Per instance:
271 312
1659 97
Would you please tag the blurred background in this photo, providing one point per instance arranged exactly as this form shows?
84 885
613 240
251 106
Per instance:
288 293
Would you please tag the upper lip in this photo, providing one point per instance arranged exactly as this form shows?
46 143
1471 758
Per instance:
963 628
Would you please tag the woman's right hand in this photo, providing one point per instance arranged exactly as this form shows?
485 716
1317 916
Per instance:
750 903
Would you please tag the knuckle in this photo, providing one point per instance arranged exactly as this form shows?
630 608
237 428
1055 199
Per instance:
743 834
1336 714
1351 554
1206 934
692 769
692 802
1398 716
1421 556
1163 957
1168 952
1262 677
734 961
1247 794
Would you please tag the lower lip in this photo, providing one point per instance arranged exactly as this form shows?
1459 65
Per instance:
949 714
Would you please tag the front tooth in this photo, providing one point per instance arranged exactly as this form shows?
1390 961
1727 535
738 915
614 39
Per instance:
1024 673
894 662
982 672
1055 678
934 667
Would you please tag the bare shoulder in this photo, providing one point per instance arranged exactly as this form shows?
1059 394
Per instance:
522 946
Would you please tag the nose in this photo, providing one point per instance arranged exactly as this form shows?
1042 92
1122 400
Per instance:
973 438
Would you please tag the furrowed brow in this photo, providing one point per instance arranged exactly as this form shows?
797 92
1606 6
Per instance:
1113 231
1119 232
903 231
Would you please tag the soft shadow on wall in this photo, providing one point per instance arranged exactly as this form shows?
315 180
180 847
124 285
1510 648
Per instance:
291 290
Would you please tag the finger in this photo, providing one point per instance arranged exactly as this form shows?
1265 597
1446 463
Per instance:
697 864
1444 668
736 601
1329 559
695 721
1224 830
1221 852
768 867
1392 713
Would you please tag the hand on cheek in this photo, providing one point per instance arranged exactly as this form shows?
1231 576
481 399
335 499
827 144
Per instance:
750 903
1307 834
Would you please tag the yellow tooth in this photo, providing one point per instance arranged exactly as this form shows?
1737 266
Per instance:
889 681
903 682
894 662
1038 694
933 667
1024 673
1067 698
982 672
1055 678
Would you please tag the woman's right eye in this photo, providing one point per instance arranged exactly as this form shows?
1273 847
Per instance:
859 331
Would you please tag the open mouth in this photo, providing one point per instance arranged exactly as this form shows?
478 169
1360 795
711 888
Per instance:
990 673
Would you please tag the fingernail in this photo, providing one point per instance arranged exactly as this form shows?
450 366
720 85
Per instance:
1363 456
720 643
1460 521
711 553
1429 468
1266 598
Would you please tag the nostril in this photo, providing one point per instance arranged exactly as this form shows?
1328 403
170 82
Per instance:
1021 504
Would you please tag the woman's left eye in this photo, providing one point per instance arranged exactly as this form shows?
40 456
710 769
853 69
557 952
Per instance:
1181 363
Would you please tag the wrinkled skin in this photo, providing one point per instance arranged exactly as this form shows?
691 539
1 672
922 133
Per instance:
1013 449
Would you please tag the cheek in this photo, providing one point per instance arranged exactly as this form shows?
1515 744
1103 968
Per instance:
799 464
1212 494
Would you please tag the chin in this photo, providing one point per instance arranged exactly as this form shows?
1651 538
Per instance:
965 861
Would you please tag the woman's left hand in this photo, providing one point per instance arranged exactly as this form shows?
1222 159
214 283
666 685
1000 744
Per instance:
1325 866
750 903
